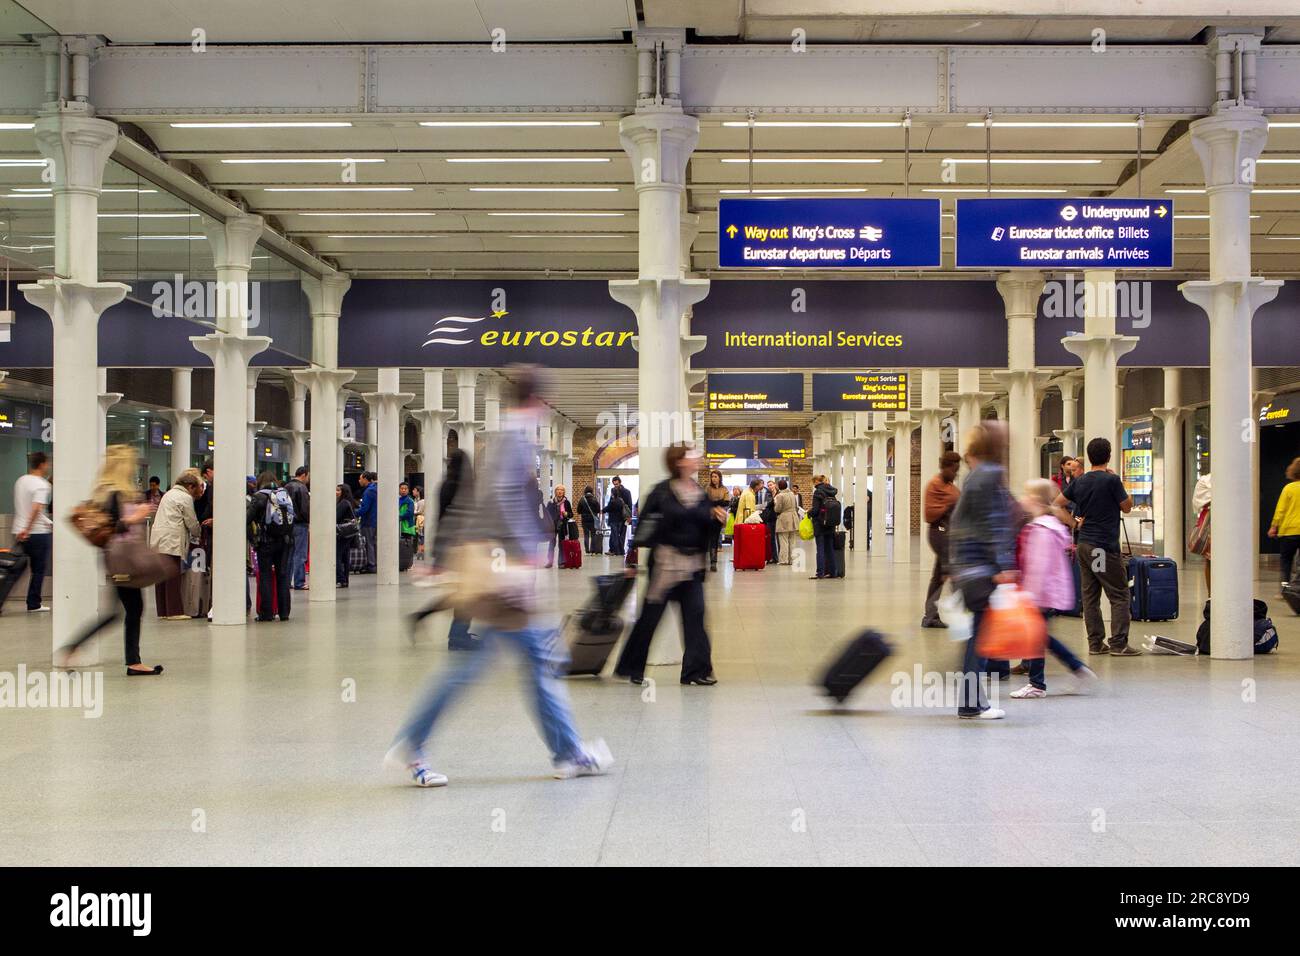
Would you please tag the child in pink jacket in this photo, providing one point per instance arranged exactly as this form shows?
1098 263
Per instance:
1044 555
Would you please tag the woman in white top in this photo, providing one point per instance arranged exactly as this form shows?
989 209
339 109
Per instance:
1201 503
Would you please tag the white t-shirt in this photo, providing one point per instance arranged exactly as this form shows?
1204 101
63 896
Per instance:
30 490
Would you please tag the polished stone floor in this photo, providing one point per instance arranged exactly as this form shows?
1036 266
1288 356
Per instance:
247 752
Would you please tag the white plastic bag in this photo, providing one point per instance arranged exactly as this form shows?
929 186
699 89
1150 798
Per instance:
953 611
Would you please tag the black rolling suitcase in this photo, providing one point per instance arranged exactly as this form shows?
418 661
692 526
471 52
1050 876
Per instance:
1291 594
592 631
837 554
12 566
863 655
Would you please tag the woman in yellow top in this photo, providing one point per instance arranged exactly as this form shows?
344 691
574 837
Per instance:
1286 519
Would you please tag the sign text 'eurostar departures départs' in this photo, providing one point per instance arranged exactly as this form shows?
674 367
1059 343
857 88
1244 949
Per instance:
828 233
1062 233
859 391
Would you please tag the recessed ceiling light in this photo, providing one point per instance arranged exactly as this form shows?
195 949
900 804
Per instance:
528 159
1198 215
806 160
981 161
49 195
800 189
399 235
981 189
1279 238
485 123
127 189
338 189
275 124
33 189
161 238
544 213
373 213
148 215
1278 161
1289 191
556 235
321 161
22 163
543 189
1284 125
1181 191
819 124
15 126
1058 124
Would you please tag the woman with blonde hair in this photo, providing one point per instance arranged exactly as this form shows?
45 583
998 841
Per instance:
1043 549
116 494
1285 525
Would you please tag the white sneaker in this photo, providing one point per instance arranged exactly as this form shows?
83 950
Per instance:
1028 692
37 610
991 713
596 759
399 757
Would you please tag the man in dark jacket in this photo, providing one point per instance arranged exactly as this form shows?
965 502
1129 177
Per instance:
825 514
617 512
369 515
297 487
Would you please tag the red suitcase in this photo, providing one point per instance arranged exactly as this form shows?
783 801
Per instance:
570 554
749 547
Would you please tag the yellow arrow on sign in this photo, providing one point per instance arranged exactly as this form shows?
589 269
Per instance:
731 232
1161 211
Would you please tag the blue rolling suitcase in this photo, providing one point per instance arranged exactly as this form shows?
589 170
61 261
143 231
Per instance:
1153 588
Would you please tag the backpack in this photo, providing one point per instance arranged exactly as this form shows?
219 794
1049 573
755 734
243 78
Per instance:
830 513
277 519
1265 632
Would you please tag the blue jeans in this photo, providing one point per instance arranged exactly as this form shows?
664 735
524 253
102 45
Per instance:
1038 668
825 554
545 660
971 699
458 634
298 564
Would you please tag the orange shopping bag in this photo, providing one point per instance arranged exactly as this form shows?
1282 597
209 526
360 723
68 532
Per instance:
1012 628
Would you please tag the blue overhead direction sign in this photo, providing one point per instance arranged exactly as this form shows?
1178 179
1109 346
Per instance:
1063 233
828 233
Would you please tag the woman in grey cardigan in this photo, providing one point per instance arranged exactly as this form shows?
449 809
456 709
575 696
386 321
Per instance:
787 519
174 524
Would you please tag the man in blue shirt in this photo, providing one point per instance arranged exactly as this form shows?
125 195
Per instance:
368 514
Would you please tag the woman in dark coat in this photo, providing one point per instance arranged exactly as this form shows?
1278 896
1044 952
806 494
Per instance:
676 522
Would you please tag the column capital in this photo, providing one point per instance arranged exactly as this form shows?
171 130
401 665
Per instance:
934 412
108 399
466 377
1169 416
46 294
325 294
79 146
1203 292
693 344
1087 347
902 427
1008 377
1224 140
184 417
428 417
980 398
659 144
1020 290
387 400
1068 433
324 377
1068 384
234 240
219 343
630 292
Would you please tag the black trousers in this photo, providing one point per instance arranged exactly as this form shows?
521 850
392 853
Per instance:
697 661
590 539
1288 545
273 560
617 536
37 549
715 543
341 548
132 602
938 537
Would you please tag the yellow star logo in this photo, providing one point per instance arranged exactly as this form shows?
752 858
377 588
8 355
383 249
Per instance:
499 313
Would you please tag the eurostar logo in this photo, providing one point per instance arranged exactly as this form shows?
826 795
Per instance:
461 330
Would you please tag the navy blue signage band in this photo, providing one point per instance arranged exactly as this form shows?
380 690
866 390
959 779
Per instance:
782 449
755 392
859 391
721 449
1065 233
828 233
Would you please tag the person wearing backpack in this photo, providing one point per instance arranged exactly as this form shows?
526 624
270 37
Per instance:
825 514
616 515
270 532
